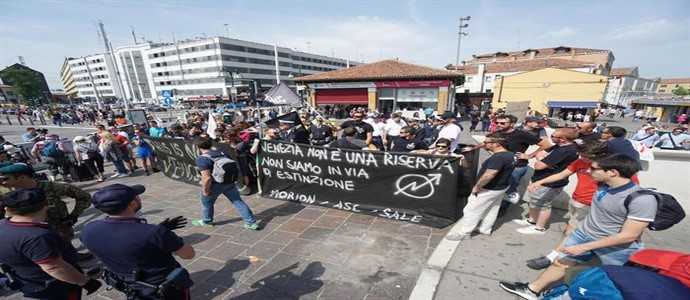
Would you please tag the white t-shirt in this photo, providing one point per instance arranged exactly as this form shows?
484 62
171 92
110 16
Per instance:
451 132
378 126
392 128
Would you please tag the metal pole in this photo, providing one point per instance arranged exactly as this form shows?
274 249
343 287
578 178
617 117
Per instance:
275 56
258 119
460 34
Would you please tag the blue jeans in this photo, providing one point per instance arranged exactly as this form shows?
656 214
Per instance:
515 178
616 255
230 191
120 166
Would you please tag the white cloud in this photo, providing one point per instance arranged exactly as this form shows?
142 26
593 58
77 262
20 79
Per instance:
654 30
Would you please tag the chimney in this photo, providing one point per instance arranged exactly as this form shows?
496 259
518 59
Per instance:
572 53
532 54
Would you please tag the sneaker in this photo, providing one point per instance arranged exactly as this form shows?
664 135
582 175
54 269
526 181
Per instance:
202 223
524 222
538 263
123 175
252 226
456 237
116 175
519 288
533 230
512 198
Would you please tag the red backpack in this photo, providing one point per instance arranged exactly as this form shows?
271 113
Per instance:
669 263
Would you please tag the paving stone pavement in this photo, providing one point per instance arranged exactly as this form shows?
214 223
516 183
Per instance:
303 252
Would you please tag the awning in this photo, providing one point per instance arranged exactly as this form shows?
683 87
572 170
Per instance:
342 96
573 104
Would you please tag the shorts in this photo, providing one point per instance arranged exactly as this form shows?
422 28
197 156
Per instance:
143 152
577 212
616 255
543 197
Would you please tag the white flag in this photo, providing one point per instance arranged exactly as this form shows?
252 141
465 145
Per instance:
211 128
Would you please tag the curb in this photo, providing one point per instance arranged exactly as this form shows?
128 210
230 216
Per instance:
430 277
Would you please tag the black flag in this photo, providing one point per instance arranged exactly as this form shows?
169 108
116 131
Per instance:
281 94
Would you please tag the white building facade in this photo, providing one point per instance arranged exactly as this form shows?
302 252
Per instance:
200 68
134 71
625 84
95 77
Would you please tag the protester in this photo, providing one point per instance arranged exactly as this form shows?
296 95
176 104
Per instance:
586 132
611 231
363 131
450 130
391 131
406 141
111 150
155 131
579 204
518 142
348 140
44 264
493 180
617 143
677 139
558 158
30 136
533 126
128 246
143 151
647 137
86 152
211 187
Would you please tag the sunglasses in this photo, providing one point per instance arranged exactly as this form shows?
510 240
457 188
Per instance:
502 123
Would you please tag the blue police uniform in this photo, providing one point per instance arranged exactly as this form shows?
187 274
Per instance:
24 246
129 245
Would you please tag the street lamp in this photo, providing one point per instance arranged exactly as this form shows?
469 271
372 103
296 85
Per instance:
233 90
460 34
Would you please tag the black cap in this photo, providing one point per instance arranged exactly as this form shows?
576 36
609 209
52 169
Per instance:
24 197
116 196
533 119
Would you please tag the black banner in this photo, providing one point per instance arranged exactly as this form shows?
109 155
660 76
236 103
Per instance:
407 187
177 158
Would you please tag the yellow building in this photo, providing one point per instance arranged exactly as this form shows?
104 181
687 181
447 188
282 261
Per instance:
550 91
666 86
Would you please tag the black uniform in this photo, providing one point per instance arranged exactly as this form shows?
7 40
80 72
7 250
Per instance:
24 247
321 135
361 127
402 145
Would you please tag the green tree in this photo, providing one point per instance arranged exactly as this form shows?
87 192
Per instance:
681 91
26 83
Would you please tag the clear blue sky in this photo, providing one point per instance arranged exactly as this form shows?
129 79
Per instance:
654 35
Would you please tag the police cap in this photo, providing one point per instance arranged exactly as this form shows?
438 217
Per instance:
116 196
24 198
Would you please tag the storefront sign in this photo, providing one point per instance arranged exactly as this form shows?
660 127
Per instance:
412 84
417 95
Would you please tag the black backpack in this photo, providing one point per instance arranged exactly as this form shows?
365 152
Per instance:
668 211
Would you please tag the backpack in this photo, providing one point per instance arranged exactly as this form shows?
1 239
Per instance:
668 211
225 170
50 150
669 263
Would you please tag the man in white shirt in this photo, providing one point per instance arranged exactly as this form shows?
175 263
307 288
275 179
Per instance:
674 140
450 130
392 129
377 122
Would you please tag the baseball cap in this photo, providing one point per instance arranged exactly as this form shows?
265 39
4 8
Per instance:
17 168
116 195
24 197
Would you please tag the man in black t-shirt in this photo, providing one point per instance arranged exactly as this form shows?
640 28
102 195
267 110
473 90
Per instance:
406 142
43 263
348 141
494 179
559 157
586 132
517 141
363 131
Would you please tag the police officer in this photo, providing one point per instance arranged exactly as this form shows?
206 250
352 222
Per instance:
44 265
406 142
20 176
133 251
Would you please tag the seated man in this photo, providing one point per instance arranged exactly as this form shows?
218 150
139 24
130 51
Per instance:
610 231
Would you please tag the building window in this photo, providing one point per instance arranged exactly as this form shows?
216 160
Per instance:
468 79
487 78
498 76
488 91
